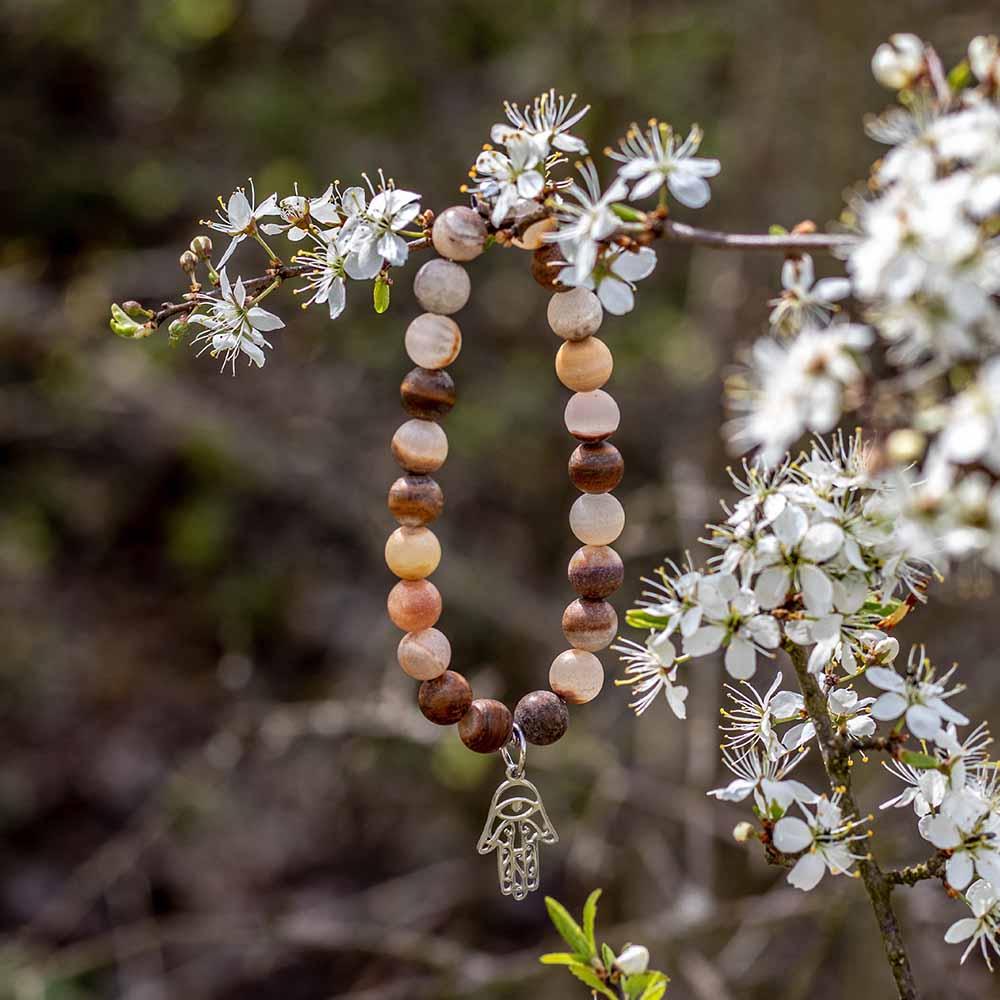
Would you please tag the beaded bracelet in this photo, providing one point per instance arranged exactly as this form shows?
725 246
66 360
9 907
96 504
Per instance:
517 822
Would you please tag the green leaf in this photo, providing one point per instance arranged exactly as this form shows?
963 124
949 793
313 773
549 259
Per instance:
560 958
568 928
589 917
922 761
961 76
587 975
656 987
607 956
627 213
637 984
776 230
122 325
381 294
641 618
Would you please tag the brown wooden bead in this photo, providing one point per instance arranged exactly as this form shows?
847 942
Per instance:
596 467
427 393
445 699
414 605
415 500
487 725
544 268
543 717
589 624
584 365
596 571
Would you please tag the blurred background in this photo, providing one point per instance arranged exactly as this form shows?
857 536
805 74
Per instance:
215 780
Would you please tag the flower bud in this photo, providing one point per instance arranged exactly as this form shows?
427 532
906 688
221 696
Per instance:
886 650
634 960
135 311
201 247
188 262
898 62
905 446
984 59
177 329
122 325
742 832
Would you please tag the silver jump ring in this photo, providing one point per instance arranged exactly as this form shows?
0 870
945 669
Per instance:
515 768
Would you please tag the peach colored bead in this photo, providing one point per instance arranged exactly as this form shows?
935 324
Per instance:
424 655
442 287
412 553
459 233
592 416
584 365
575 314
576 676
533 237
433 341
597 518
414 605
420 446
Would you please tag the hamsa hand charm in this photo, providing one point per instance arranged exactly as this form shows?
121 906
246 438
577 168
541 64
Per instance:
515 825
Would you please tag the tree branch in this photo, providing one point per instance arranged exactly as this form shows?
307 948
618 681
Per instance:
679 232
932 868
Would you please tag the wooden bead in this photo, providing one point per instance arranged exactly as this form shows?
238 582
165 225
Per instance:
584 365
459 233
596 571
487 725
412 553
445 699
442 287
420 446
575 314
427 393
543 717
576 676
596 467
597 518
424 655
433 341
414 605
592 416
415 500
546 263
533 238
589 624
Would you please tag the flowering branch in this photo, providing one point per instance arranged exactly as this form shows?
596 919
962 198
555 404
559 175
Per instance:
932 868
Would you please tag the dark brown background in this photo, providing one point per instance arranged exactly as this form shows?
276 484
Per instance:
215 780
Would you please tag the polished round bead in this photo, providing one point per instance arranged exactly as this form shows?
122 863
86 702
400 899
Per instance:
542 717
420 446
596 571
445 699
442 287
546 263
589 624
425 654
597 518
596 468
576 676
412 553
415 500
592 416
433 341
575 314
533 238
459 233
584 365
414 605
427 393
487 725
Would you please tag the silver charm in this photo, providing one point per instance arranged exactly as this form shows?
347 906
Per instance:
516 825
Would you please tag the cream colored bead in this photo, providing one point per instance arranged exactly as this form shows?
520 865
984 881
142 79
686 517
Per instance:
459 233
597 518
584 365
412 553
576 676
424 655
433 341
442 287
533 236
575 314
420 446
592 416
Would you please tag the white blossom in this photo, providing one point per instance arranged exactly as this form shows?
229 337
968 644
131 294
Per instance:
548 118
766 780
652 668
504 180
983 927
299 214
898 62
375 226
328 267
804 300
752 719
238 218
614 276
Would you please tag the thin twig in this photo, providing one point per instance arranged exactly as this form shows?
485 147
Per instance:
679 232
932 868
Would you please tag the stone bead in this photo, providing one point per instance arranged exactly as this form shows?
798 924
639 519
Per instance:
597 518
414 605
459 233
584 365
412 553
575 314
596 468
442 287
427 393
545 265
415 500
543 717
589 624
596 571
445 699
576 676
533 237
424 655
433 341
420 446
487 725
592 416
